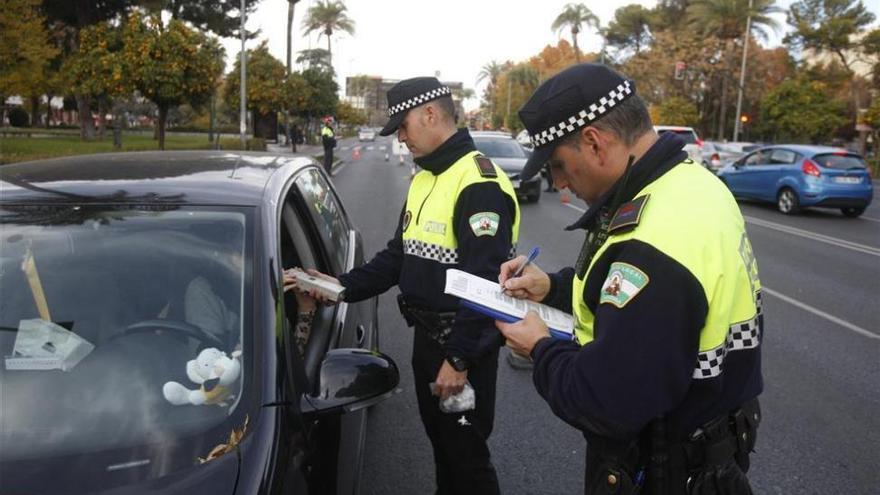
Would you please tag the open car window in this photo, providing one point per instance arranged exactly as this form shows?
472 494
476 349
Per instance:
125 323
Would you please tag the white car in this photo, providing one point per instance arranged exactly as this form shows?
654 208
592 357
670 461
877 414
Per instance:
693 143
366 135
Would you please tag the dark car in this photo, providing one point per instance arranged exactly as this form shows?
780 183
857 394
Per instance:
796 176
148 343
508 154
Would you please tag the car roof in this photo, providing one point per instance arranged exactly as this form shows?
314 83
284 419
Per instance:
672 128
178 177
808 149
491 134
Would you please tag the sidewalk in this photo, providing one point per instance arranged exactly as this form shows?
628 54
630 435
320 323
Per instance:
315 151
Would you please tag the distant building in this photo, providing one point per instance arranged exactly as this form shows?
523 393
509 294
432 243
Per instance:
369 93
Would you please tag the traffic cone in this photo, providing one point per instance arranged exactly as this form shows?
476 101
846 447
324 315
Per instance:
563 196
356 154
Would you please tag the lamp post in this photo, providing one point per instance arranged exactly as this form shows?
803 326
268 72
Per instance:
242 121
742 76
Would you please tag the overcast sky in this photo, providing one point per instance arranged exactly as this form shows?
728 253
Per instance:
397 39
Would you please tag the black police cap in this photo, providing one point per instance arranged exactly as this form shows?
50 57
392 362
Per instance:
568 101
408 94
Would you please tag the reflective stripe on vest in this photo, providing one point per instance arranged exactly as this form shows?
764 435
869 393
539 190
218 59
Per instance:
430 205
327 132
684 203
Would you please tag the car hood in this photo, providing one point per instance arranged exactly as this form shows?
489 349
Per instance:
510 165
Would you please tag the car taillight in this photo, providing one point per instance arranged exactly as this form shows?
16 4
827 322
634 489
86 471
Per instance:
699 142
716 157
810 168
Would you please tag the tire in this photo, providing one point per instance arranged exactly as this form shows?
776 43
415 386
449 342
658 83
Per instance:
787 201
852 211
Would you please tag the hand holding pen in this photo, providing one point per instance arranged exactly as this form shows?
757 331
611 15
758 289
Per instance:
522 279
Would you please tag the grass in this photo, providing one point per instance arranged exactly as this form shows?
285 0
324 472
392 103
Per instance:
20 149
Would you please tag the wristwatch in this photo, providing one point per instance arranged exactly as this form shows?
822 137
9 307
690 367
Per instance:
457 363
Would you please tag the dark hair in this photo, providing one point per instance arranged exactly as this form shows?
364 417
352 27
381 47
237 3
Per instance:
628 121
446 105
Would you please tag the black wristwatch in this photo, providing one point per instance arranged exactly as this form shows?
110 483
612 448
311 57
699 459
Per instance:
458 364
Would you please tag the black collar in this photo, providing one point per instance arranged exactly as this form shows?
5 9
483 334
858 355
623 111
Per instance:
666 153
458 145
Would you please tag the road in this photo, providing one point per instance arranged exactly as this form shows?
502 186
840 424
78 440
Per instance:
821 401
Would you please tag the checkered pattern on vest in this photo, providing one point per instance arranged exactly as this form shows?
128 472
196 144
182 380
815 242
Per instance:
583 117
418 100
743 335
421 249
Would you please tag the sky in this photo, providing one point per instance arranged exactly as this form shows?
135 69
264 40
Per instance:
397 39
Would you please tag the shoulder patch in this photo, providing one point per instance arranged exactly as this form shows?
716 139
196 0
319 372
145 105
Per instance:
623 284
629 214
484 223
485 166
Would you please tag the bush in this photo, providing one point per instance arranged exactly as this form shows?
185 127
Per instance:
18 117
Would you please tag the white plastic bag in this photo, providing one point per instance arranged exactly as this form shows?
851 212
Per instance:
460 402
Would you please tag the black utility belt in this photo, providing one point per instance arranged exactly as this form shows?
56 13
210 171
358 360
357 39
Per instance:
437 324
727 436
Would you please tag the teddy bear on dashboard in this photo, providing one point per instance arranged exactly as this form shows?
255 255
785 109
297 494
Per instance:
214 372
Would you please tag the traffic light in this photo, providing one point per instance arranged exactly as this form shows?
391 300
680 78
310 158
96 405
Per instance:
744 119
680 67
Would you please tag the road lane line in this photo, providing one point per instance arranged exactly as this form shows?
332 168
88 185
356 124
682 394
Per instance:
869 218
806 307
855 328
854 246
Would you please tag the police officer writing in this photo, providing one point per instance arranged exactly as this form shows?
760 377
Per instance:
328 140
460 212
665 368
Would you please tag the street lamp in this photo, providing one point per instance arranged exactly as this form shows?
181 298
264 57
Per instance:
242 121
742 76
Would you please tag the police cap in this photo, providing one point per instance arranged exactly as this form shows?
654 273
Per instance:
568 101
408 94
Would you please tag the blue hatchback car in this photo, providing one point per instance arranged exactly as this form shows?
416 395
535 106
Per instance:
796 176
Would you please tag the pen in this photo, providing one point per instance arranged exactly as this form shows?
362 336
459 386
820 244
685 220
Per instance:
532 255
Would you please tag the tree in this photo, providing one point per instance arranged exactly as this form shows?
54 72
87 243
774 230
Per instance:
514 88
347 114
677 111
315 58
170 64
573 17
630 28
221 17
323 99
490 72
799 110
326 17
25 53
266 76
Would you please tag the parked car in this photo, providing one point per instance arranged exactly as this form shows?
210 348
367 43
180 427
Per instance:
148 341
716 154
511 157
693 143
366 134
795 176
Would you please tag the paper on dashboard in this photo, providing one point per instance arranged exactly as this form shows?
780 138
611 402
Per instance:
489 295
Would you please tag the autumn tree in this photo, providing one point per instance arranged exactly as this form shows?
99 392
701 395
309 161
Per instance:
676 111
170 64
630 29
800 110
347 114
265 81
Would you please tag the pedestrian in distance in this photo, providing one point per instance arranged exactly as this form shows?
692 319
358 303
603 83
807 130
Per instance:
664 371
328 140
460 212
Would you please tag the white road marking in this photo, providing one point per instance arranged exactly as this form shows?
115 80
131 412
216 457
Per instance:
369 147
806 307
870 219
845 324
382 148
336 170
854 246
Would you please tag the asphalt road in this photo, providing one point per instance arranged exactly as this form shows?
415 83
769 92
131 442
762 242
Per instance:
821 401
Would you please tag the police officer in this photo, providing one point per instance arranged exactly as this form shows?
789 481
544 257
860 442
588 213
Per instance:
460 212
328 140
663 373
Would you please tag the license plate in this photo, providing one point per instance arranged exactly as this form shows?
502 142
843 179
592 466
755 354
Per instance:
515 183
847 180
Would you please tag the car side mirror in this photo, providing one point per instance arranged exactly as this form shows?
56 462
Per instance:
351 379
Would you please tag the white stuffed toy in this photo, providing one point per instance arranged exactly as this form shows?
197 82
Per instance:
214 371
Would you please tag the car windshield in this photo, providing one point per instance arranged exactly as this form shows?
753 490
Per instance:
107 322
499 148
840 161
688 135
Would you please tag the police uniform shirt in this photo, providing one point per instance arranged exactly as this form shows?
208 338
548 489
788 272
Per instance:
421 279
641 362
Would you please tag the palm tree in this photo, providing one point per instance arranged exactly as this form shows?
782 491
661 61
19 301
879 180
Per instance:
491 71
326 17
572 17
290 4
315 58
524 76
727 19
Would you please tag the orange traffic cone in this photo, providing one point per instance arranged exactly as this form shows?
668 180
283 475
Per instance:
564 197
356 154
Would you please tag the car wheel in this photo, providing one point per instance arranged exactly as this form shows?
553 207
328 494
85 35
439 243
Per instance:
852 212
787 201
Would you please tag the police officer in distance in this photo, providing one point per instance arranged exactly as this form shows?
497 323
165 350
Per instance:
328 140
664 374
460 212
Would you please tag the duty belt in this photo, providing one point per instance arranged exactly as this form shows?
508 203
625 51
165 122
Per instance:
731 435
437 324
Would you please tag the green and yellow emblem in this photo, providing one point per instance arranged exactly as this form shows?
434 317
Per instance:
624 282
484 223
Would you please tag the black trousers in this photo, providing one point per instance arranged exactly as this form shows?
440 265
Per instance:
328 160
461 457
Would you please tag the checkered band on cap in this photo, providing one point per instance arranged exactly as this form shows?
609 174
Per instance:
583 117
418 100
742 335
421 249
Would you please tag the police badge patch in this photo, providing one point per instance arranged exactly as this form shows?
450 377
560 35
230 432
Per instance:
624 282
484 223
